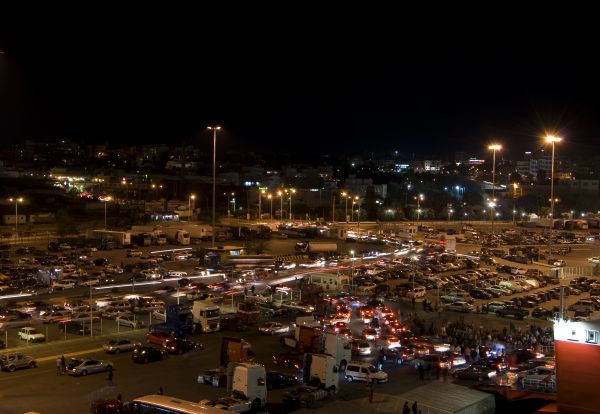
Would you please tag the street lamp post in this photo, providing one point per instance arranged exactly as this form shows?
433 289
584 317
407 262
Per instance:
292 191
16 201
552 139
190 198
333 208
106 200
260 194
280 194
346 196
270 197
494 148
214 129
419 198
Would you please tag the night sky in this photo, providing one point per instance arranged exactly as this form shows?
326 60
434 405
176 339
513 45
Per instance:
291 88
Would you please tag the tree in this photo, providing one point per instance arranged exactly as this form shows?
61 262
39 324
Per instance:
65 224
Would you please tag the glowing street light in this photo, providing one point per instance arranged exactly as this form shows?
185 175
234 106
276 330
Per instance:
419 198
16 201
346 197
214 129
551 139
190 198
292 191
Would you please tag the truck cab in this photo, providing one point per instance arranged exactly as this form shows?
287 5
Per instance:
207 316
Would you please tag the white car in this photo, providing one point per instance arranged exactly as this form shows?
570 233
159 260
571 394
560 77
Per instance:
129 321
388 341
30 334
89 282
460 306
134 253
272 328
367 287
63 285
175 273
361 347
594 259
363 371
494 306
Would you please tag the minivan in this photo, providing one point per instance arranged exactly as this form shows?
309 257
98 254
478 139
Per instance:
364 371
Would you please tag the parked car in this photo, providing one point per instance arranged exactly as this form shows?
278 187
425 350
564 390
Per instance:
12 362
77 367
460 306
512 312
117 346
130 321
31 334
277 380
145 354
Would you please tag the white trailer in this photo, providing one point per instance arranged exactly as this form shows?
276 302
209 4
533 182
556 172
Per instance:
248 389
338 347
119 238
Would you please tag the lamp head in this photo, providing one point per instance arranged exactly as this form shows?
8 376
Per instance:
495 147
552 139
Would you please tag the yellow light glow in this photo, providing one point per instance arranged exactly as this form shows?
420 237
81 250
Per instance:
193 196
552 138
495 147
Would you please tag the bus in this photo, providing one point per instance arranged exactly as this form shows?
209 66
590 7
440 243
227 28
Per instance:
153 404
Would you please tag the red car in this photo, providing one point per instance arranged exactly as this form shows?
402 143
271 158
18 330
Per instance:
158 338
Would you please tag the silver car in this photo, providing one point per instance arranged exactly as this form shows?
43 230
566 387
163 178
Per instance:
115 347
77 367
15 361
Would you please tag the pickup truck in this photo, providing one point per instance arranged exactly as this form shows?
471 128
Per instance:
30 334
512 312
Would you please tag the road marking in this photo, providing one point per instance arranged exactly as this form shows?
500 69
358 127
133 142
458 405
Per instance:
50 358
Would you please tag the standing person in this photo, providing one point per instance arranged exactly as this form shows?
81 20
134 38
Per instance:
421 371
160 390
405 409
63 364
59 366
109 377
415 409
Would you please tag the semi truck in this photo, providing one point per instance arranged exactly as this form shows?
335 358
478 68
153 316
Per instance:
247 385
310 247
321 379
305 339
179 321
176 235
338 346
207 316
110 239
157 235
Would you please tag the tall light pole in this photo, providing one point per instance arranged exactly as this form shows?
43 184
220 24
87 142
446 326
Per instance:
280 194
214 129
292 191
494 148
419 198
333 208
17 200
233 202
358 219
260 194
346 196
270 197
106 200
552 139
190 198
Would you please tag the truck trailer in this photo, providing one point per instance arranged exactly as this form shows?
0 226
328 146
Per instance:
109 239
310 247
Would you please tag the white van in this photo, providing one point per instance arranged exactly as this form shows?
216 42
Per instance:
364 371
416 292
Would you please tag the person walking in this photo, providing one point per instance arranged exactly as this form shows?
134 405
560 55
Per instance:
415 409
160 390
64 364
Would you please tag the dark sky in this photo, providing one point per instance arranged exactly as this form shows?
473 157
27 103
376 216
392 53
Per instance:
294 88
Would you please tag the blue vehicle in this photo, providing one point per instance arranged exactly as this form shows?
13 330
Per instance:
178 321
